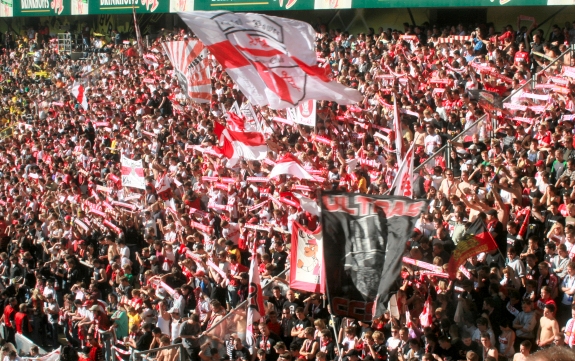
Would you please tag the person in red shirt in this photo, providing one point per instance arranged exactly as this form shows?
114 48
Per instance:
96 353
8 318
22 322
236 269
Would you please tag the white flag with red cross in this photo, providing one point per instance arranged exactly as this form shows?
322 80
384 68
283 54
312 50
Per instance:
133 173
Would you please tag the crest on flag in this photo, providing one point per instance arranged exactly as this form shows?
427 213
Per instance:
306 113
271 59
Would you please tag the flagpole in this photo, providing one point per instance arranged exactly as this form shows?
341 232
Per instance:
335 331
400 167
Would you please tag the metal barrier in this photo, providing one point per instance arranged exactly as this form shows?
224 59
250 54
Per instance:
446 148
7 132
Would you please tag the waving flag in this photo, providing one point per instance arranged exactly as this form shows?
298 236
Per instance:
255 298
289 164
191 66
237 144
403 181
476 240
78 93
271 59
426 316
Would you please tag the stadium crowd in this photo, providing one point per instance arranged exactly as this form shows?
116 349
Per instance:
76 262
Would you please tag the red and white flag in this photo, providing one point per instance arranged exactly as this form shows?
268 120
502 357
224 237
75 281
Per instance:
289 164
403 181
237 144
78 93
133 173
255 299
271 59
426 316
307 272
399 147
191 66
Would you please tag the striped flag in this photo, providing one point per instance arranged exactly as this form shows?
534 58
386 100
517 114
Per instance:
191 66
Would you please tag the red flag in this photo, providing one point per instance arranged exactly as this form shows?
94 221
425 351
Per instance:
525 224
476 240
426 316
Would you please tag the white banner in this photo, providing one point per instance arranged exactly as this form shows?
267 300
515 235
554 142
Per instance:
306 113
133 173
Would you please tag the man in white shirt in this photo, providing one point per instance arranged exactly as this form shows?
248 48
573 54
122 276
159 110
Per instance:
432 140
52 310
518 267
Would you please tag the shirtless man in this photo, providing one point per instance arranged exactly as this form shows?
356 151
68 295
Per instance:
524 351
548 327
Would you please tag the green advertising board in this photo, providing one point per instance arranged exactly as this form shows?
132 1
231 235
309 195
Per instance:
253 5
358 4
21 8
126 6
35 7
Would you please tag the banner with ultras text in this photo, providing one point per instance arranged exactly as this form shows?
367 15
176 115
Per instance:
366 236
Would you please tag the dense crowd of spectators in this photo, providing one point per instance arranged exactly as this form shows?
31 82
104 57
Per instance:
75 262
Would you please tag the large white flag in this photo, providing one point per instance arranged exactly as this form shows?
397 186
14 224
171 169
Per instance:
272 60
133 173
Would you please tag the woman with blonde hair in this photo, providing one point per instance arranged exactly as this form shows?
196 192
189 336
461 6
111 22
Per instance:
319 326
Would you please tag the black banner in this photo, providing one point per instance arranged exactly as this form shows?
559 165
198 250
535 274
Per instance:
364 239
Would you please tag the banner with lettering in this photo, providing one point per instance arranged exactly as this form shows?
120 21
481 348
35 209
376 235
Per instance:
366 236
37 7
125 6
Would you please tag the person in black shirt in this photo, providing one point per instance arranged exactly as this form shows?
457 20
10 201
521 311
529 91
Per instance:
239 351
552 217
279 258
266 342
314 308
467 344
447 351
277 299
145 341
299 325
291 302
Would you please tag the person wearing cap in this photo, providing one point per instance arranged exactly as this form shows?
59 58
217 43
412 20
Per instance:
176 324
